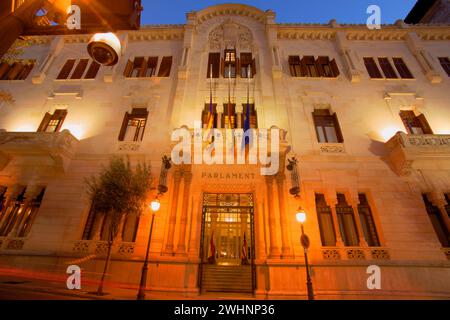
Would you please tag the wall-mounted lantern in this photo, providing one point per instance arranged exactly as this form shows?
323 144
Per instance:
295 180
166 165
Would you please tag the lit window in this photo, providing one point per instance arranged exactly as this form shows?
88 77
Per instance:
133 125
327 127
53 122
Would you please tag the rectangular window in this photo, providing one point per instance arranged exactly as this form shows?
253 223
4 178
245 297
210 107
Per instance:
295 66
386 66
93 70
166 65
66 69
327 127
53 122
253 119
80 69
310 66
415 124
229 116
346 222
76 71
367 223
2 199
326 225
152 64
18 70
327 68
208 119
11 214
445 63
29 214
214 62
133 125
247 65
372 68
402 68
229 70
437 221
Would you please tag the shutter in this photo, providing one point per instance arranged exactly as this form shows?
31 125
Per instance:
26 71
214 60
66 69
166 65
334 68
424 123
59 115
253 67
407 117
143 68
4 68
79 69
123 129
152 64
15 71
303 67
319 65
128 69
222 67
294 60
338 129
93 70
44 122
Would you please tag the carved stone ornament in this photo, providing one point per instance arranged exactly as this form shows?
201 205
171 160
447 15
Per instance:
230 35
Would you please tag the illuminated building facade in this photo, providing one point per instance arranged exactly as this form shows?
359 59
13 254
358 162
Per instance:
364 112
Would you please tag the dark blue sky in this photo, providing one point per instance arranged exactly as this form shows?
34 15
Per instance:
345 11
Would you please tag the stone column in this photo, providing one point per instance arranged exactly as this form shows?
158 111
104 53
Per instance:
173 212
181 247
285 247
196 223
354 201
332 201
259 223
274 250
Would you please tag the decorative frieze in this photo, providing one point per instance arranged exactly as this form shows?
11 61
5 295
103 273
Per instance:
129 146
81 246
331 254
332 148
101 248
15 244
126 248
380 254
355 253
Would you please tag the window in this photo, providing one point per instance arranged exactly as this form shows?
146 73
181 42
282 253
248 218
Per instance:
11 214
247 62
214 62
415 125
166 65
386 66
253 119
295 66
2 198
327 127
206 115
229 70
372 68
367 222
30 214
76 71
18 70
53 122
346 221
133 125
310 66
229 116
402 69
327 68
326 225
445 63
141 67
447 207
438 223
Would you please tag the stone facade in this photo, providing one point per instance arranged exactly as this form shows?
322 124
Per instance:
392 169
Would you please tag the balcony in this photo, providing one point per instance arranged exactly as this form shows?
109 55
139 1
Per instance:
58 148
426 151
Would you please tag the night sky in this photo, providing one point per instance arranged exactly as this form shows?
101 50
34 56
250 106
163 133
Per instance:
319 11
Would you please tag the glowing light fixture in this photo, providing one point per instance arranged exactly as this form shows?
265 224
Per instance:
301 215
155 205
105 48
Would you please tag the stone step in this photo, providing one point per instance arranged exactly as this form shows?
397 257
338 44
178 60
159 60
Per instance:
227 279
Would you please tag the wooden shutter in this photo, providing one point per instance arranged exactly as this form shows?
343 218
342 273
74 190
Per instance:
59 115
305 60
79 69
372 68
222 67
166 65
386 66
26 71
407 118
4 68
128 69
424 123
334 68
44 122
143 68
15 70
338 129
214 60
151 65
319 65
123 129
93 70
294 60
66 69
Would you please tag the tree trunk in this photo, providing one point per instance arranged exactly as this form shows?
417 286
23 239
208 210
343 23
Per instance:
108 259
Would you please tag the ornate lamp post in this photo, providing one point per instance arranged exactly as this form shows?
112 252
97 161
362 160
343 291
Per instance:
301 217
154 206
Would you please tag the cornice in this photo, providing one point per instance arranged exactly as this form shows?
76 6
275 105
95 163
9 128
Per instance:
229 9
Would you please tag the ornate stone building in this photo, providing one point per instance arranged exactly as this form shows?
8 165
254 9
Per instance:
364 112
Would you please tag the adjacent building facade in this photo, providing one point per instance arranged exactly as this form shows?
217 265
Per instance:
365 114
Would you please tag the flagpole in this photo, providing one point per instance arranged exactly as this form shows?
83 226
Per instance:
229 96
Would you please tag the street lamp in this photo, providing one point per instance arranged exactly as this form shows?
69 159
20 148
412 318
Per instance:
105 48
301 217
154 206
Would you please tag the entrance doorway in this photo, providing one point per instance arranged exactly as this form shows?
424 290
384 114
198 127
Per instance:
227 246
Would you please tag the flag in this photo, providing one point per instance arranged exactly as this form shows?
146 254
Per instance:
247 140
212 257
244 258
210 119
